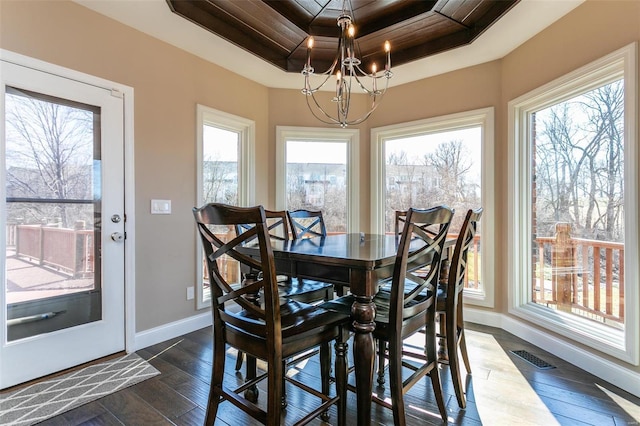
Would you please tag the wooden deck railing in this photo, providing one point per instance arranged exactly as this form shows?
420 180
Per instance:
582 276
64 249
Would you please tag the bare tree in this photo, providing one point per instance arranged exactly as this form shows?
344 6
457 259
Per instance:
220 184
579 164
49 152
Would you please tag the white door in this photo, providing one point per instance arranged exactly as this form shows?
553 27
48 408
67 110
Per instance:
62 184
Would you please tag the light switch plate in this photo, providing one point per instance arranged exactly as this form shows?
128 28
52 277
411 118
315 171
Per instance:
160 206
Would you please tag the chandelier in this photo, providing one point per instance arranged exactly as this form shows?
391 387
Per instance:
347 71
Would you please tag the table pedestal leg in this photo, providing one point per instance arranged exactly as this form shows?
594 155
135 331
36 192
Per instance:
363 312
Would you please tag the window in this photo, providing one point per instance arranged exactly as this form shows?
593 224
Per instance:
443 160
574 180
317 169
225 175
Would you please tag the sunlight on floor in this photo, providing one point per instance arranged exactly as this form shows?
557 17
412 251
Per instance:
632 409
495 374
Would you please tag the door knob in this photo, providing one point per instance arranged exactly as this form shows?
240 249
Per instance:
117 236
115 218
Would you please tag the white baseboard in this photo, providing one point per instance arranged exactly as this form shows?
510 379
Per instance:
611 372
171 330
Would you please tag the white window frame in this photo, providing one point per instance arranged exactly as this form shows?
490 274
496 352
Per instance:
322 134
484 118
623 345
246 173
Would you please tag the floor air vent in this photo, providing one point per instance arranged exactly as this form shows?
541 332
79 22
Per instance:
532 359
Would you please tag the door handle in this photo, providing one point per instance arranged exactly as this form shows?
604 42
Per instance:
117 236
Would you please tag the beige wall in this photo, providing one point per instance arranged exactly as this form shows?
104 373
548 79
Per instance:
168 83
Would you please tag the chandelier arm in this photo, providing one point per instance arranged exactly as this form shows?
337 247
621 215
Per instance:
317 88
328 120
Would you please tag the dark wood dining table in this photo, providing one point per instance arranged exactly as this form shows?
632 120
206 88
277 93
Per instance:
359 262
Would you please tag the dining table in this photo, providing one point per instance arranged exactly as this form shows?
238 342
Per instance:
359 261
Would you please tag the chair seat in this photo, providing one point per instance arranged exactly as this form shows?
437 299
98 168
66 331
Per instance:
299 321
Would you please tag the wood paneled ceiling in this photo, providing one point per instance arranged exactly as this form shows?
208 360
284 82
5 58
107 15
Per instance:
277 30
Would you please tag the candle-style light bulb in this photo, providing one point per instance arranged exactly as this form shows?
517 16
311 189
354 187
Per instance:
387 48
351 31
309 47
374 68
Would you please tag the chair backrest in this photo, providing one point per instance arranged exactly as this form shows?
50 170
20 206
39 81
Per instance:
306 224
400 220
417 265
259 319
277 225
458 261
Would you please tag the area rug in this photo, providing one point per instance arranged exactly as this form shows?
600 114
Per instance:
49 398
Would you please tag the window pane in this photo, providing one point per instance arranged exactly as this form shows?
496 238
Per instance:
317 180
433 169
578 205
220 172
52 168
220 165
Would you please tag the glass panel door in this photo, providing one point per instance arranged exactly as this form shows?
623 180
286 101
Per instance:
63 187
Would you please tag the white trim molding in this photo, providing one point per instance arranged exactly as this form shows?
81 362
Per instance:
171 330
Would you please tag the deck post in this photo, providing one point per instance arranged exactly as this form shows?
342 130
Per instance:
563 266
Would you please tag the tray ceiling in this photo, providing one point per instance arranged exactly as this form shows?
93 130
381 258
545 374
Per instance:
277 30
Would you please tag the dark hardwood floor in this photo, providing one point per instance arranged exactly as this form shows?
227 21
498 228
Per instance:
503 390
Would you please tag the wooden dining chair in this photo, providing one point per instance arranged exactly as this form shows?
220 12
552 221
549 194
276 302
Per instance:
252 318
406 304
299 289
306 224
449 306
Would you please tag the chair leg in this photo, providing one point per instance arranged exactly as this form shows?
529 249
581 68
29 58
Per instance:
283 398
382 349
341 348
454 363
325 373
252 393
239 359
442 344
437 391
217 375
395 382
275 381
463 349
432 358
